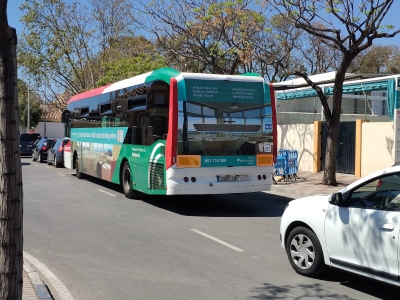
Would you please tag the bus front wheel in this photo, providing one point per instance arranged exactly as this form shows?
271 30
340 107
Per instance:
126 181
79 174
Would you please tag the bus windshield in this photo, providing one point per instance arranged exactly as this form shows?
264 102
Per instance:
212 131
224 116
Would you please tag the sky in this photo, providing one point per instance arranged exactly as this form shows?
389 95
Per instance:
14 16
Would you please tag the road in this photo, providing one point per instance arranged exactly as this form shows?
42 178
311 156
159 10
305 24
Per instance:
104 246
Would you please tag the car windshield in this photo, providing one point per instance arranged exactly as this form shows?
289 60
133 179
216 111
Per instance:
28 137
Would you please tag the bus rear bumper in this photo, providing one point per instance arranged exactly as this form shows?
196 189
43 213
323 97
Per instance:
206 181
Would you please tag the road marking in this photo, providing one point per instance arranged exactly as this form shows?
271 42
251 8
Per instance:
54 282
106 193
61 174
217 240
35 164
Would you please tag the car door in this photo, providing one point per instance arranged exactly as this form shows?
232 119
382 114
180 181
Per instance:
363 235
36 149
51 152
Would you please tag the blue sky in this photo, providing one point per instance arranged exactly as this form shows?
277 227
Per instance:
14 15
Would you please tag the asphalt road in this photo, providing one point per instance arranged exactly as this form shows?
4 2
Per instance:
104 246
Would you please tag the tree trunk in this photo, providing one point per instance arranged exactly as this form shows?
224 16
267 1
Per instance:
330 156
11 239
333 123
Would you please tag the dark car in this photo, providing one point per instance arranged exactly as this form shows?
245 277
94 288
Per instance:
40 150
26 142
55 155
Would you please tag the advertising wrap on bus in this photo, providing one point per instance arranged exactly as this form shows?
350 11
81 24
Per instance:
166 132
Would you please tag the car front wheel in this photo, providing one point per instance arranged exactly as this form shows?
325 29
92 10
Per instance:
305 252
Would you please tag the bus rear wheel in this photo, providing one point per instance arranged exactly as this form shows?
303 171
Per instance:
79 174
126 181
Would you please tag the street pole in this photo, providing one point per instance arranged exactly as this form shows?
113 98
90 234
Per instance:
28 127
45 112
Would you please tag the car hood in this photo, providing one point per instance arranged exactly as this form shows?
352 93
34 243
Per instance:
314 202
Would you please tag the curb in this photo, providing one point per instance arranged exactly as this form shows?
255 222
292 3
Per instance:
41 290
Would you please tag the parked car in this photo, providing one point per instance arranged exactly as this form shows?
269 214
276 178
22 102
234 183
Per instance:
55 155
40 150
26 142
356 229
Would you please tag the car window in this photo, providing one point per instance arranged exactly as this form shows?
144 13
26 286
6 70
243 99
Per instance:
29 137
382 193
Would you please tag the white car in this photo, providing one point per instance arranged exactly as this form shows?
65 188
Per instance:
356 229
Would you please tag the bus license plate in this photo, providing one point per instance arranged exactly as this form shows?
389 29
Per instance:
233 178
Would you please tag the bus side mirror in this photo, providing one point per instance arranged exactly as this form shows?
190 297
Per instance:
337 199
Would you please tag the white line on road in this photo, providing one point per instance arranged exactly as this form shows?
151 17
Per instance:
54 282
61 174
106 192
217 240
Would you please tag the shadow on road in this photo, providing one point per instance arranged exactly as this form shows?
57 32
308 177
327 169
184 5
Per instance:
319 290
25 164
233 205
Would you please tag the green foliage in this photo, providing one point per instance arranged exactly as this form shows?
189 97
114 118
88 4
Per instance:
377 59
116 70
35 108
207 35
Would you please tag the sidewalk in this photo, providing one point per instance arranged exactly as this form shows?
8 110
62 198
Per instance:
308 184
33 288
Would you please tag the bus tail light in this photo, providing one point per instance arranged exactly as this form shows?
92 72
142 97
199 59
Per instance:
186 179
193 179
259 177
265 177
265 160
188 161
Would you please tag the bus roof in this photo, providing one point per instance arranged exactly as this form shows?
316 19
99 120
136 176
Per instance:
163 74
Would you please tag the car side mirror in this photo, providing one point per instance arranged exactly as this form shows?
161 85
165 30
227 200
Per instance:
337 199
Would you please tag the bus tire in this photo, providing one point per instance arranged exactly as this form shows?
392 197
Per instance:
126 181
79 174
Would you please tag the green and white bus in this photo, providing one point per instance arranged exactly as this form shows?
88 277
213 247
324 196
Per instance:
173 133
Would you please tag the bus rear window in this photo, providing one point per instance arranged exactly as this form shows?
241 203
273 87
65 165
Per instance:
29 137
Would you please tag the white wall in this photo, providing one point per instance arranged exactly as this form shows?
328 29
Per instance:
298 137
377 146
53 129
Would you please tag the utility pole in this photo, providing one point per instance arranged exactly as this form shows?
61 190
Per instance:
28 124
45 106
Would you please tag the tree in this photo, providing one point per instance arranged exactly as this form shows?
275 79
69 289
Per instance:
35 108
57 43
359 24
127 57
211 36
317 57
377 59
129 67
63 41
277 49
11 239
